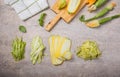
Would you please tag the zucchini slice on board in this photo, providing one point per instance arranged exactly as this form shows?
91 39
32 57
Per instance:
73 6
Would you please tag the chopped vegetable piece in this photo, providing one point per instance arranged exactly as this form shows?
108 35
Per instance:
67 55
22 29
59 49
62 4
88 51
73 6
91 2
41 20
18 49
97 23
98 4
37 48
101 13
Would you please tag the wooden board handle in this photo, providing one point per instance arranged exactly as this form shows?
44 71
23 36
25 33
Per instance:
52 23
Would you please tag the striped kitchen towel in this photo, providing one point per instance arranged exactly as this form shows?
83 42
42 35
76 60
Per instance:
27 8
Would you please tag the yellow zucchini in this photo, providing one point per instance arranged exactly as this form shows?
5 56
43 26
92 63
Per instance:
59 49
73 6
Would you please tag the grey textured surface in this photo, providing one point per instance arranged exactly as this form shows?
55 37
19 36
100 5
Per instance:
107 36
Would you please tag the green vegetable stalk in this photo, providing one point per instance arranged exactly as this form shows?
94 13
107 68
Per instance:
99 14
18 49
37 48
97 23
41 20
22 29
88 51
98 4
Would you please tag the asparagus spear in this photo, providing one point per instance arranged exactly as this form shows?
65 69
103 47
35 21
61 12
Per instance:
98 4
97 23
104 11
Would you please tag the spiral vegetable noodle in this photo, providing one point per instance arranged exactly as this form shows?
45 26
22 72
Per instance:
18 49
89 50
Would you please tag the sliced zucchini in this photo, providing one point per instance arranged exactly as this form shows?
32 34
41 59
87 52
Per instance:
73 6
59 49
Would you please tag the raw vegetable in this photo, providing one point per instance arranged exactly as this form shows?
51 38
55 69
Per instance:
22 29
62 4
59 49
98 4
97 23
73 6
91 2
37 48
41 19
18 49
101 13
88 51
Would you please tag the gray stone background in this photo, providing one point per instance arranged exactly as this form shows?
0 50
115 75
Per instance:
107 36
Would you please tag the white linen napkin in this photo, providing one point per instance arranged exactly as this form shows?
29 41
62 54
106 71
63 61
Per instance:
27 8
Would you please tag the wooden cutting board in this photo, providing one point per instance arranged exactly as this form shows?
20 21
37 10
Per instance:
63 14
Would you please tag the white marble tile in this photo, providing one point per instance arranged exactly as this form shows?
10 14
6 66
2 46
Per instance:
34 8
19 6
43 4
28 2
